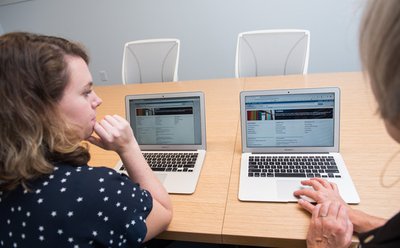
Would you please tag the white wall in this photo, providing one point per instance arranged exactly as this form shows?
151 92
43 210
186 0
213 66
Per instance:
207 29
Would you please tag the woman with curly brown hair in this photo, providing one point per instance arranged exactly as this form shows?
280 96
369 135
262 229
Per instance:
49 196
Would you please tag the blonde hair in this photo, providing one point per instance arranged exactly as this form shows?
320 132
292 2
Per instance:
33 136
380 54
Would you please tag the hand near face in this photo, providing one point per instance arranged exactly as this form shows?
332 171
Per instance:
321 192
330 227
114 134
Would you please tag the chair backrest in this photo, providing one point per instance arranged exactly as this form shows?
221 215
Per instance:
272 52
154 60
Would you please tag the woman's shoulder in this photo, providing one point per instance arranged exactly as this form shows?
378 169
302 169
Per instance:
83 187
101 185
66 172
102 190
91 179
82 202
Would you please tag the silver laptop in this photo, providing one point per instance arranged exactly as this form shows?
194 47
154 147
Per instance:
289 136
171 131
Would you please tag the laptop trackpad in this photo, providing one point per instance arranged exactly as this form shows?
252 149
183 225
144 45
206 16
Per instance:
286 188
161 177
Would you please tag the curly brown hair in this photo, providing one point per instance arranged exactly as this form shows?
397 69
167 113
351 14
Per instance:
33 136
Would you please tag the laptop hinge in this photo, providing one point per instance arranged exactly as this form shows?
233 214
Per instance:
160 150
290 153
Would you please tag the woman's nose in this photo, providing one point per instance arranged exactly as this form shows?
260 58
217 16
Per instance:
97 101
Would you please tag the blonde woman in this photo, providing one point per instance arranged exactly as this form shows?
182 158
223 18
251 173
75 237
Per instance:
333 221
49 196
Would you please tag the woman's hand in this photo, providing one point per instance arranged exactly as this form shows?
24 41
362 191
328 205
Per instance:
321 192
114 133
330 226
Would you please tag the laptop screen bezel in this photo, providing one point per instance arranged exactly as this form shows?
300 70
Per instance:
169 147
310 149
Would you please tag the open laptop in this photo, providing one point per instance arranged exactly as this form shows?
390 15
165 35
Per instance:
289 136
171 131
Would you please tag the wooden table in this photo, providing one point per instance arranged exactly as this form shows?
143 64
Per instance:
213 213
364 145
197 217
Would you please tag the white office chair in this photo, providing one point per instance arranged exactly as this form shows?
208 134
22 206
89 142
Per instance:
272 52
154 60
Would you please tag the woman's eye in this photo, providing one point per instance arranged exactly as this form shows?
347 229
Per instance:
86 93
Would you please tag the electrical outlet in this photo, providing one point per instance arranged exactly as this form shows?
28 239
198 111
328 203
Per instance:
103 76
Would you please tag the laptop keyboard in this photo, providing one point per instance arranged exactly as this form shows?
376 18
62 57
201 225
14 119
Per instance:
293 166
179 162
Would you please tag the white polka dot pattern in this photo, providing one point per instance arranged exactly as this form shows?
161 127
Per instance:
75 207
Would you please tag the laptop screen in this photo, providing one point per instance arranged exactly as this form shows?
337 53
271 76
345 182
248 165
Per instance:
166 121
290 120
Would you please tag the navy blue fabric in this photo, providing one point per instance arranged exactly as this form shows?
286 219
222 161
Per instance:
387 236
75 207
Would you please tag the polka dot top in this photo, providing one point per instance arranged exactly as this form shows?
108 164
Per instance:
75 207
